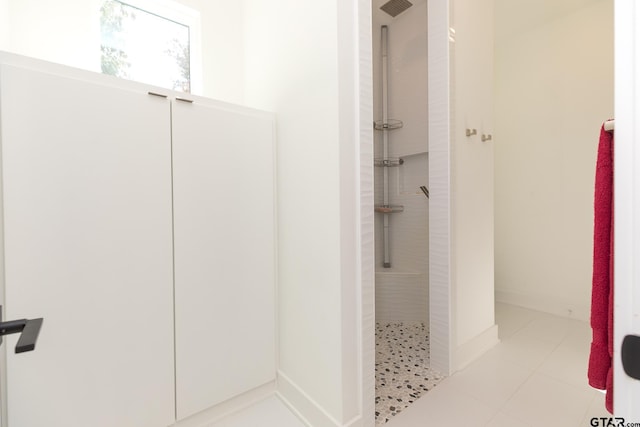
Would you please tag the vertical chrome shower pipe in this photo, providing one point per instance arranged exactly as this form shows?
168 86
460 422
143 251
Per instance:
385 142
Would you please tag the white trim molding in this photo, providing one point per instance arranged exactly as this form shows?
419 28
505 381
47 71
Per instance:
440 295
476 347
550 305
366 291
627 201
306 408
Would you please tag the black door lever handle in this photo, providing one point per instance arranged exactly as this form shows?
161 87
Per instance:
28 329
631 356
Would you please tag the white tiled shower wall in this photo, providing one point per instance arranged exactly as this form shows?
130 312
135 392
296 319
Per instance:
402 290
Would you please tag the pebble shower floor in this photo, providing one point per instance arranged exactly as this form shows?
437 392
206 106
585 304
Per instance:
402 367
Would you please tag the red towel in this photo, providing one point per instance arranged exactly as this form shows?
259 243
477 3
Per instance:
600 359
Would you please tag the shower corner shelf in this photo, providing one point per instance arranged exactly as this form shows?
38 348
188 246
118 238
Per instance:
387 163
389 209
390 124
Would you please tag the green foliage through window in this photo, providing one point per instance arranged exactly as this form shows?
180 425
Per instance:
139 45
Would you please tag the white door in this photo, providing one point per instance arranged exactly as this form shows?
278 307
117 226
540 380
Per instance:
87 246
224 253
627 202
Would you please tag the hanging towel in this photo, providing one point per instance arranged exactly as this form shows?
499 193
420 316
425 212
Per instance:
600 372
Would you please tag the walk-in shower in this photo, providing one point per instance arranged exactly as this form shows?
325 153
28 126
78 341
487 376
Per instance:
401 204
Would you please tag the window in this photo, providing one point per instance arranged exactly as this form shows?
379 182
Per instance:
155 42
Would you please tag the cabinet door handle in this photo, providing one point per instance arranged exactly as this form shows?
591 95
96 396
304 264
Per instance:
190 101
157 94
631 356
28 329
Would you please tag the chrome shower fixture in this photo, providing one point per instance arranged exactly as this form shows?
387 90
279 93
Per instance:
396 7
425 190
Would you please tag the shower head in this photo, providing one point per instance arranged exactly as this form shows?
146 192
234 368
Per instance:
396 7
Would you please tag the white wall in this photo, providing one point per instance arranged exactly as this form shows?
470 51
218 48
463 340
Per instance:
301 63
68 32
554 88
440 293
4 24
62 31
472 258
222 29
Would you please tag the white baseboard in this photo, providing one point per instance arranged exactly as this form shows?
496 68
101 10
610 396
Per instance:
476 347
544 304
307 409
228 407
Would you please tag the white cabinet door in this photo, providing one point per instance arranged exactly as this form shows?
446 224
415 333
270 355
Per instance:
224 253
88 246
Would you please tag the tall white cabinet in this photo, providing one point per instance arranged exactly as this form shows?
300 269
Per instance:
472 247
224 253
141 229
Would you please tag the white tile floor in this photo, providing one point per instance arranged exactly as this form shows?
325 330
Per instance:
536 376
270 412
